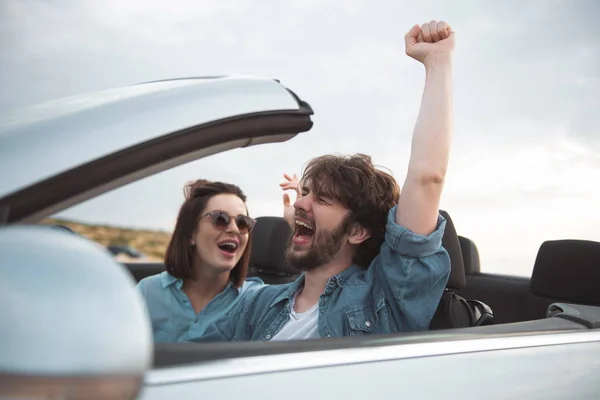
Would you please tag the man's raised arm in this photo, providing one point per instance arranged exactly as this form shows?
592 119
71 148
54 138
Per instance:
432 44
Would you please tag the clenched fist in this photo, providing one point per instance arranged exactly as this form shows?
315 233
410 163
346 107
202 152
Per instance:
422 42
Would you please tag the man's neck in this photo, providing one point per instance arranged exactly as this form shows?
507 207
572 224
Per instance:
315 281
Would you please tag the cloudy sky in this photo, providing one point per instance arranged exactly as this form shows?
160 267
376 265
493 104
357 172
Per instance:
525 162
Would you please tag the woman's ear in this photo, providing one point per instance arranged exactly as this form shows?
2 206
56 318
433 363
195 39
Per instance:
193 237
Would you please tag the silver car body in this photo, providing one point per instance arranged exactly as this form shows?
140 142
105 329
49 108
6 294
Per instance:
540 365
64 152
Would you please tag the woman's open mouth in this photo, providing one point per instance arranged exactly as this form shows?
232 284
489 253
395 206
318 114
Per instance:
228 247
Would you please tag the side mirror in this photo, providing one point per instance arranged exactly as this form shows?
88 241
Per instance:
72 325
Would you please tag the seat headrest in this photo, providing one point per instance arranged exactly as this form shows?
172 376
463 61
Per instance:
470 256
269 239
450 242
567 270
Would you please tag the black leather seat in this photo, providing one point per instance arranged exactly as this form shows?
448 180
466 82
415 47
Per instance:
567 270
267 261
454 311
470 256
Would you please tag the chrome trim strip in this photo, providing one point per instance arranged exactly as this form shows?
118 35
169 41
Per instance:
329 358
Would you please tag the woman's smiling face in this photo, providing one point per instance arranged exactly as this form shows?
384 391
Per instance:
220 248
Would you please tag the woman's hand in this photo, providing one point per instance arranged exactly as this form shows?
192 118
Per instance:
290 183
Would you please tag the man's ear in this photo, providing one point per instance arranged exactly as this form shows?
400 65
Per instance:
358 234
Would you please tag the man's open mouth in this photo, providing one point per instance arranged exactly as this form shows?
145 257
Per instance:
304 232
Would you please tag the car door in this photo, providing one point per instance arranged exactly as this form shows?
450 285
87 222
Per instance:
457 364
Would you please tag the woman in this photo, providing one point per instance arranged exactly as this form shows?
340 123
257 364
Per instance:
206 263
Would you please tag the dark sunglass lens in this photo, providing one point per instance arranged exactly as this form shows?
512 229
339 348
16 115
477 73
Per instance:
220 220
244 223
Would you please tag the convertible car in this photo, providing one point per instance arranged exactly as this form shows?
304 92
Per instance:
72 326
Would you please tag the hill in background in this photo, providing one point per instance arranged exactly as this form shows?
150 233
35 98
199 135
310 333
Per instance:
152 244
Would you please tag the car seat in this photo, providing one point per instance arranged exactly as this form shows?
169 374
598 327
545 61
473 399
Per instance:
453 310
267 261
567 270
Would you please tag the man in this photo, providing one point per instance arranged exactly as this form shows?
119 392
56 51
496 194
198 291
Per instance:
372 256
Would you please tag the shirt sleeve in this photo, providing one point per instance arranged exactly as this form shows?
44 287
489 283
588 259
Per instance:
251 286
222 330
141 287
412 270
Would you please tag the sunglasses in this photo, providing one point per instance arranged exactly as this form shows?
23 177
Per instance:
221 220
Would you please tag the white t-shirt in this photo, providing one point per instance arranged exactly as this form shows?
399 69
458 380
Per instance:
300 325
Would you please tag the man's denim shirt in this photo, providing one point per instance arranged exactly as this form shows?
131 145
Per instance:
171 313
398 292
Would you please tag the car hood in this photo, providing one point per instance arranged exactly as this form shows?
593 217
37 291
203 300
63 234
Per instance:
63 152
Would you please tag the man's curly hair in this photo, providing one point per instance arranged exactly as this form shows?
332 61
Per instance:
368 192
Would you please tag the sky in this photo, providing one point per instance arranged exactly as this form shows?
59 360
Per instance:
525 160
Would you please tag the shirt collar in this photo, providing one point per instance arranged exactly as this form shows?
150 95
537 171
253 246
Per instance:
290 291
167 279
344 278
341 279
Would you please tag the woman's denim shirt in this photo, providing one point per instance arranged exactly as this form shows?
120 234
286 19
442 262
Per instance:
172 315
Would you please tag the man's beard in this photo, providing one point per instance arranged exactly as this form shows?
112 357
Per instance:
324 246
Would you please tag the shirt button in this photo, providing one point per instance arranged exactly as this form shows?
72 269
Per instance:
268 337
368 324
